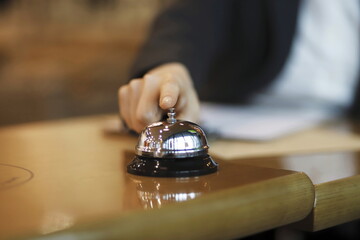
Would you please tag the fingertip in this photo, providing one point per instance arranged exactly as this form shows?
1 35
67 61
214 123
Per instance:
169 95
167 102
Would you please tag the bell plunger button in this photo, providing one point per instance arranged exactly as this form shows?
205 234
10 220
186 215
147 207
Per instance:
171 114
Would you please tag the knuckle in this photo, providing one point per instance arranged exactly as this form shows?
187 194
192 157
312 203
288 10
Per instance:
169 77
172 79
170 83
122 91
152 79
134 84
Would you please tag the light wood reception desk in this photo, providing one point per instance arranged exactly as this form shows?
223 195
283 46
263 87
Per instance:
329 155
68 179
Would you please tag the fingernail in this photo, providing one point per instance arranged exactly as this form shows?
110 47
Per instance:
166 101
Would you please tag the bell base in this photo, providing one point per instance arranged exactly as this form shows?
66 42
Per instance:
172 167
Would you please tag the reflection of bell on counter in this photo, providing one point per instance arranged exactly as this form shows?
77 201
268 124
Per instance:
172 148
156 192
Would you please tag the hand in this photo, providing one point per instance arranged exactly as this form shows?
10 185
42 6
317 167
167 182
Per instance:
145 100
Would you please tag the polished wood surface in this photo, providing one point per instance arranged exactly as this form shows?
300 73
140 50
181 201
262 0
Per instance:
67 179
328 154
336 178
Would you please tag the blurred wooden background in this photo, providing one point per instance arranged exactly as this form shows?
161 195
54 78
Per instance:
67 58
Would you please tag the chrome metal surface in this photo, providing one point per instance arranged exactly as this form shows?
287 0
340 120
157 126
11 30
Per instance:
171 114
172 139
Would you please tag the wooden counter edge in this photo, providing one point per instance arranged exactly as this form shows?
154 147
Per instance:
226 214
336 202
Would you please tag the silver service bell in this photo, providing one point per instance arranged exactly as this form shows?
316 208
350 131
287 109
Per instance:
172 148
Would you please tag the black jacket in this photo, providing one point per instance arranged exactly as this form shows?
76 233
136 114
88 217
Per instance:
232 48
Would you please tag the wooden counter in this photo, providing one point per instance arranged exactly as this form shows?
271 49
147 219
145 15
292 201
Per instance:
67 179
336 178
328 154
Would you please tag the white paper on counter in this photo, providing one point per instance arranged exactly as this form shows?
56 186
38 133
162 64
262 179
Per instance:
259 122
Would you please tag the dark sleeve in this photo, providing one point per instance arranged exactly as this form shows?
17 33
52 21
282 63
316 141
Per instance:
190 32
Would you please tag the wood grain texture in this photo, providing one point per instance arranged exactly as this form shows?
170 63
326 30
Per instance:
337 202
336 178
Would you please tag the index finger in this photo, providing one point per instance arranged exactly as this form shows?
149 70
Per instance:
169 94
148 109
